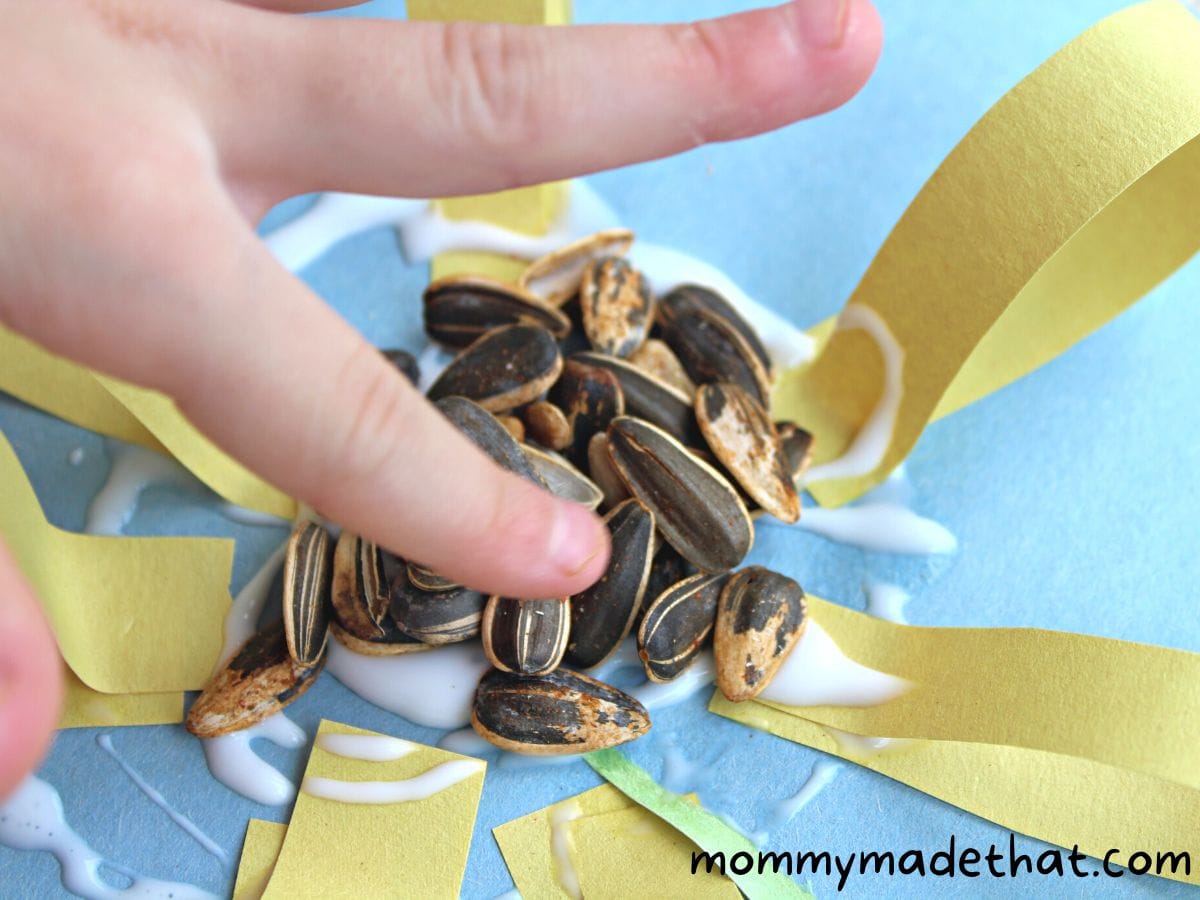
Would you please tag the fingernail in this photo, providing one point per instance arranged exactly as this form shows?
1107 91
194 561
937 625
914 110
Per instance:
578 539
822 23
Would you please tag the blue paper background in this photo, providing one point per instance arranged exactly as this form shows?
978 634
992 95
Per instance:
1073 493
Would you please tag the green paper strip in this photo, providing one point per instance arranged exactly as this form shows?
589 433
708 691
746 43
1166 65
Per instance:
706 830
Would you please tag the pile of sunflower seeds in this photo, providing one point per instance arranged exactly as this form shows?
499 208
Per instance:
652 410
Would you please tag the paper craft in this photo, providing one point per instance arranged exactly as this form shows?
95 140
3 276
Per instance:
86 708
259 852
1025 687
1063 800
131 615
1071 198
368 848
708 831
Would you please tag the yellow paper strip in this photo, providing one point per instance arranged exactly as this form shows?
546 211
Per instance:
1063 800
131 615
260 849
414 849
86 708
1026 687
1073 196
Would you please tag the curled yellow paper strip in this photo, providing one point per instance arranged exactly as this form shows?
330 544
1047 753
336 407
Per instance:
131 615
1073 196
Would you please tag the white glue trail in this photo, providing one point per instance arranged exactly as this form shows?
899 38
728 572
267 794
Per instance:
818 673
861 747
560 844
132 469
468 742
420 787
32 819
192 829
245 516
823 772
886 601
234 763
76 456
371 747
241 622
882 527
870 444
332 218
679 772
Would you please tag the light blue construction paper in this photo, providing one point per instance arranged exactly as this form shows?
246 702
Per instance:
1074 493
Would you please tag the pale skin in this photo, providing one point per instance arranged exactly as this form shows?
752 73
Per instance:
140 142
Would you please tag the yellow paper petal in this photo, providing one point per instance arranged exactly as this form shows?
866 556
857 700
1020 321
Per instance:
1073 196
1026 687
260 849
1063 800
618 854
86 708
131 615
414 849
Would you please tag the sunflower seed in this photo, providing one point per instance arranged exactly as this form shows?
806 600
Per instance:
555 277
648 398
563 479
689 297
711 349
617 306
513 426
405 362
505 368
667 569
656 358
526 637
259 681
603 614
696 509
740 434
429 580
306 582
483 430
604 473
562 712
589 397
677 624
441 617
459 309
393 642
355 607
760 617
548 425
797 446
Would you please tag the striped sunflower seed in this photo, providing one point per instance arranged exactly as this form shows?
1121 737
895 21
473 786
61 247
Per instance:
602 615
711 349
742 437
555 277
677 625
667 569
696 509
525 637
617 306
691 297
656 358
554 714
257 682
483 430
503 369
361 599
760 617
306 583
603 473
797 447
460 309
648 398
589 397
563 479
428 580
436 617
405 362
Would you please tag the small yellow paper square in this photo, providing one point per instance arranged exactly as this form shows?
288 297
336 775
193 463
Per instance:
259 852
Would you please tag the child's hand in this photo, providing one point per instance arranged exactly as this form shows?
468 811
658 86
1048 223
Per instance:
139 142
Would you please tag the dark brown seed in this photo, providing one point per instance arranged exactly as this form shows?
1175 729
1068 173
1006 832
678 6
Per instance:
742 437
555 277
667 569
648 398
259 681
589 396
405 362
441 617
656 358
459 309
307 574
483 430
602 615
548 425
526 637
429 580
760 617
617 306
713 350
562 712
677 625
504 369
697 510
797 447
604 474
563 479
688 297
